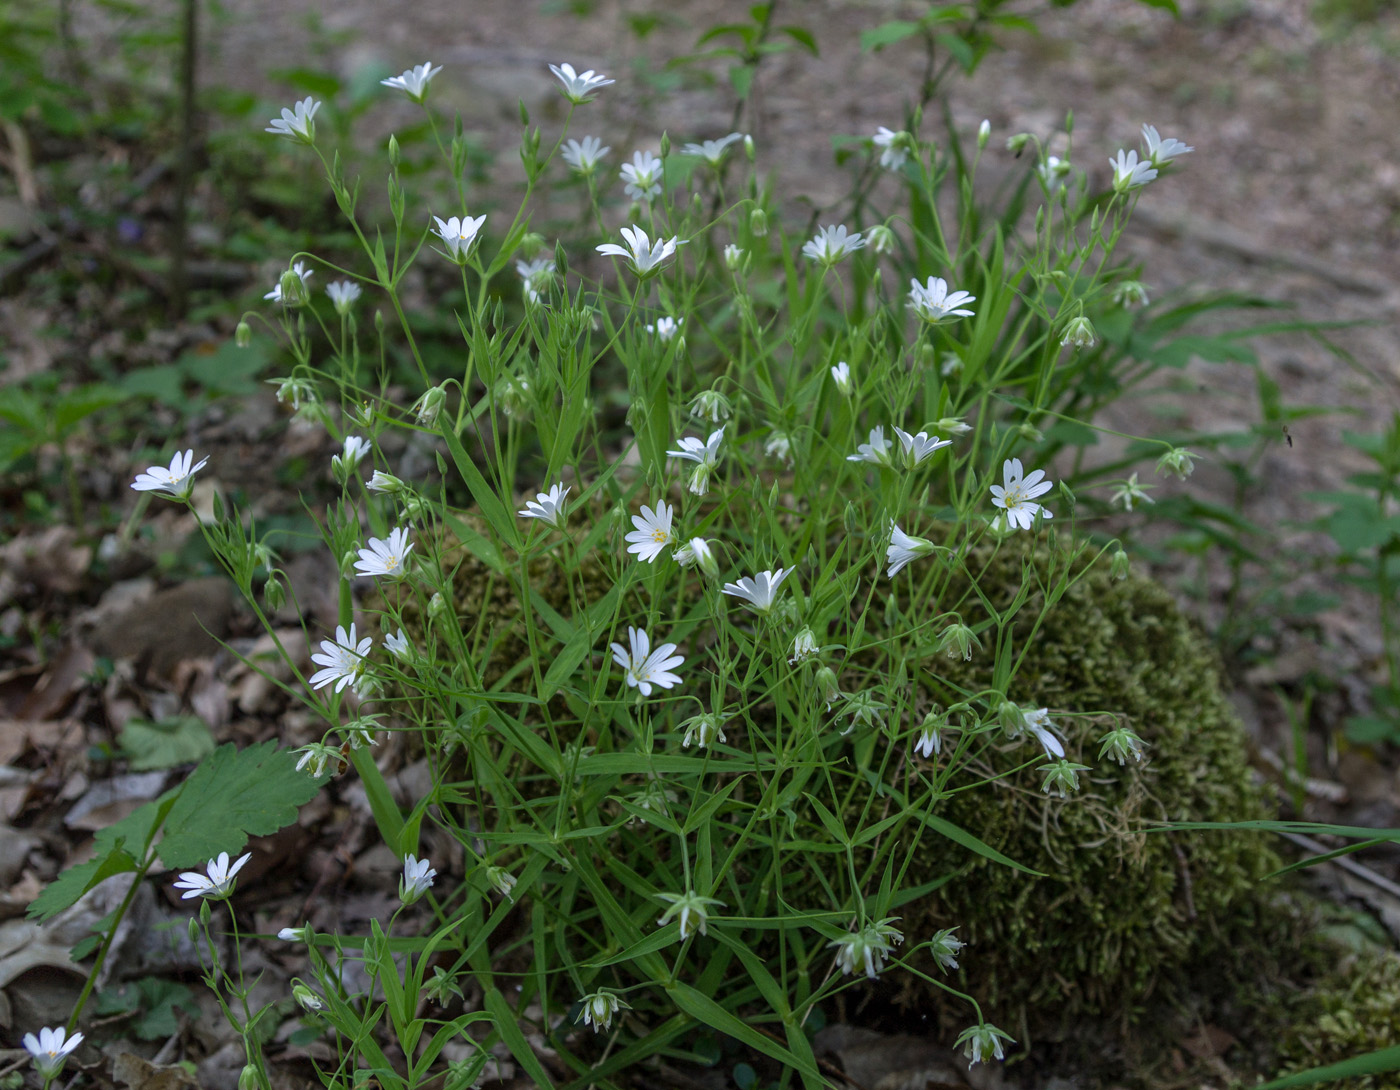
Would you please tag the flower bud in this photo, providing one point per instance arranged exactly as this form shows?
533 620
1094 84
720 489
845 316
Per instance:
274 594
958 639
1061 777
1017 144
984 133
502 880
952 425
385 482
393 151
293 289
827 687
1118 565
243 335
697 551
437 607
665 144
943 946
306 997
599 1008
841 375
736 259
1178 462
248 1078
430 405
758 223
749 149
1131 293
379 322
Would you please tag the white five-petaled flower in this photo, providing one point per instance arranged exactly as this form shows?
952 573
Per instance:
343 659
303 272
642 175
705 456
297 122
417 878
831 244
666 327
876 451
759 591
584 155
599 1008
398 645
652 533
1128 173
841 375
578 86
537 275
459 235
687 905
50 1049
386 556
176 479
712 151
217 883
918 447
343 294
1161 152
1017 496
904 548
414 81
642 667
934 303
547 506
895 151
1038 722
644 255
867 948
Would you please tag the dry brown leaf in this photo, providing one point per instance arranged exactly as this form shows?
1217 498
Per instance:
138 1074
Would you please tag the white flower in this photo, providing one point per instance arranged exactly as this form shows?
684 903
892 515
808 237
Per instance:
642 175
307 998
1131 293
711 405
841 375
944 948
502 880
1178 461
641 253
1128 173
537 275
217 883
759 591
578 87
687 905
599 1008
343 660
417 879
1120 744
1079 333
831 244
277 295
385 482
779 445
459 235
876 451
652 533
585 155
547 506
804 645
867 948
296 122
734 258
666 328
1161 152
895 145
50 1049
398 645
642 668
903 549
697 551
929 743
918 447
176 479
705 456
1061 777
343 294
315 757
1038 722
704 730
1052 173
351 455
294 934
386 556
712 151
934 304
1017 496
953 425
982 1040
881 239
1129 493
414 82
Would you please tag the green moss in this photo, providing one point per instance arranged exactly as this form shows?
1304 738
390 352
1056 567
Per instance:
1355 1012
1123 912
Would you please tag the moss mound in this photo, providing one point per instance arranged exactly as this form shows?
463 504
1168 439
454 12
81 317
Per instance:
1122 911
1355 1012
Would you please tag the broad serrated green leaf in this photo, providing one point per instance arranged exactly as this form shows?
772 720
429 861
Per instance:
178 740
232 795
116 851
